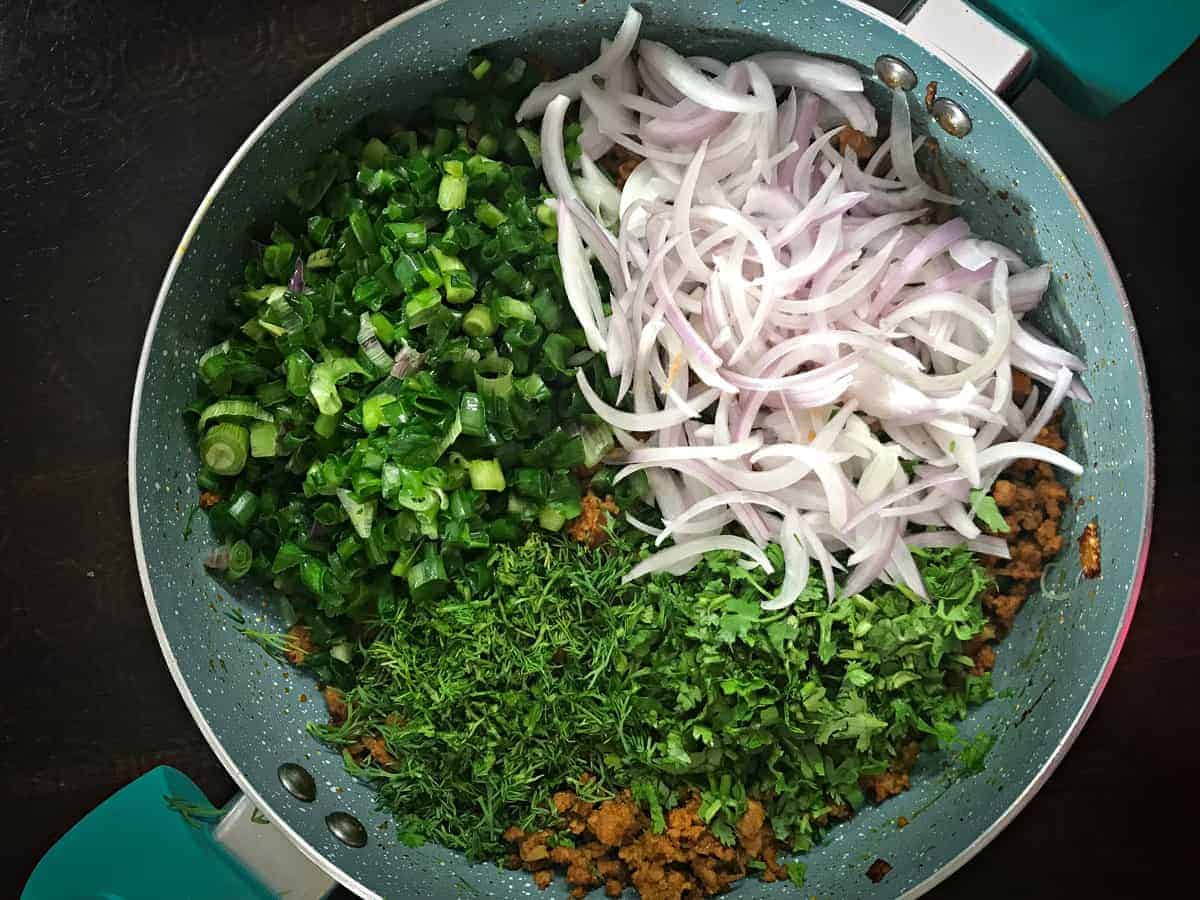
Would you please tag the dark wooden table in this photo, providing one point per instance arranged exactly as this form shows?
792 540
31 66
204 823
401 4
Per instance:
114 119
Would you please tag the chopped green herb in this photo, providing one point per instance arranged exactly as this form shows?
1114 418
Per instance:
984 508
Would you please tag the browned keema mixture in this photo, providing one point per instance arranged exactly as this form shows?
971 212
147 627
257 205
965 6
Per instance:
614 847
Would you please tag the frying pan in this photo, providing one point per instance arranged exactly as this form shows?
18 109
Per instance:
1053 666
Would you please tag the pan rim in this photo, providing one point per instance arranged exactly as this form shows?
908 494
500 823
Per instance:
1094 691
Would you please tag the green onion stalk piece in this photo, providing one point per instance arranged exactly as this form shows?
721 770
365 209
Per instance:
224 448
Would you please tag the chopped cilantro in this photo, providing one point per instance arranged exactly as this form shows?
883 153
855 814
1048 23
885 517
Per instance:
984 508
499 694
973 754
796 872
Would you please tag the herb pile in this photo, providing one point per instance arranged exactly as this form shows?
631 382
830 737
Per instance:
491 700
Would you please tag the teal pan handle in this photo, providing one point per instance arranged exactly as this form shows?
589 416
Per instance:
1097 54
159 837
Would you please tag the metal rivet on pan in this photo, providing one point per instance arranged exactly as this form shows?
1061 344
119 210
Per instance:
895 73
952 117
297 781
347 829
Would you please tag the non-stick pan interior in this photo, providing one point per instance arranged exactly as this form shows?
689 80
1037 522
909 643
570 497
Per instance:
1048 669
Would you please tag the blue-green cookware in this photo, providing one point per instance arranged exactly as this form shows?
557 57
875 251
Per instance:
1053 666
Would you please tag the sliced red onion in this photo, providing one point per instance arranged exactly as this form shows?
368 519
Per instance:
791 286
973 254
600 242
296 282
806 121
1058 393
1045 352
406 361
887 500
795 562
930 246
1000 335
610 59
957 517
611 116
583 294
656 86
593 144
641 526
869 570
992 546
692 550
875 228
903 153
694 84
688 122
723 451
714 501
802 70
849 292
642 421
837 489
600 196
856 108
786 125
1014 450
824 558
217 559
1026 288
554 159
904 565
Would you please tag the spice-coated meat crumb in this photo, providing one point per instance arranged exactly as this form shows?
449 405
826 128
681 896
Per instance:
335 702
1089 549
878 870
590 527
299 645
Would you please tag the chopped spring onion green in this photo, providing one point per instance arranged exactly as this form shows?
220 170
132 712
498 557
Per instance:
372 347
533 144
493 377
423 307
427 577
452 192
597 442
224 448
486 475
384 329
243 507
472 414
478 66
232 409
264 437
489 215
479 322
551 519
362 514
325 425
241 557
510 309
373 411
323 382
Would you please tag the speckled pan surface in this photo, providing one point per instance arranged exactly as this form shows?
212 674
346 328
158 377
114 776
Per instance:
1050 669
